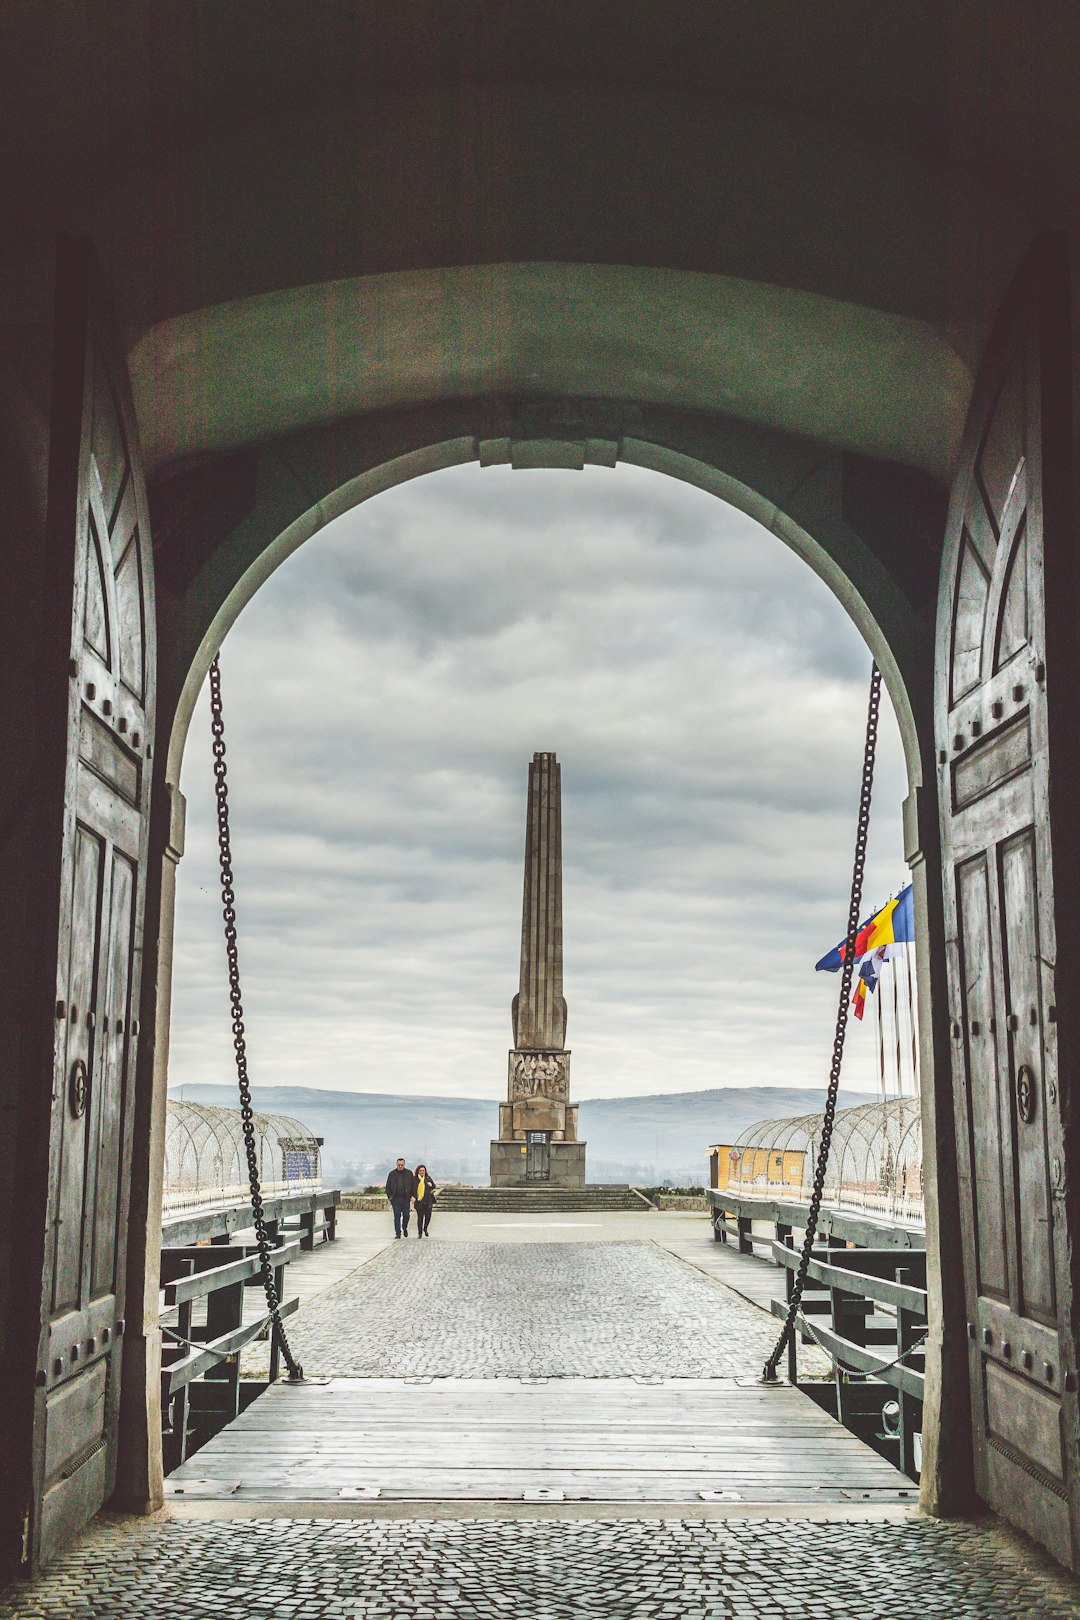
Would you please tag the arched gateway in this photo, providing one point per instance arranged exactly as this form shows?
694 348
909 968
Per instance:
321 288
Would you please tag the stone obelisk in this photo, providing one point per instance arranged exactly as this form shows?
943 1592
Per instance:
537 1139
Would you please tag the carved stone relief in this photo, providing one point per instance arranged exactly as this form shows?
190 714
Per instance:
539 1074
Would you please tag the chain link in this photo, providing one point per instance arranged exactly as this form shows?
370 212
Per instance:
228 908
846 976
874 1372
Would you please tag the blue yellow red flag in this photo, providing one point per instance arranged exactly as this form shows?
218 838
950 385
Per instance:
894 924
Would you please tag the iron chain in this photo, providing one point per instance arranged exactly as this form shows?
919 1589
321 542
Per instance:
228 908
875 1372
846 975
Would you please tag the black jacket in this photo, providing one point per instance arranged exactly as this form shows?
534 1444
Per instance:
429 1189
400 1184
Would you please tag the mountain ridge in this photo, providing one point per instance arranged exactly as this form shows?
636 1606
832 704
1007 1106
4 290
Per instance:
652 1138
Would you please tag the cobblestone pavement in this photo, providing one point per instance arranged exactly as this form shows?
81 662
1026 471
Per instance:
537 1569
481 1310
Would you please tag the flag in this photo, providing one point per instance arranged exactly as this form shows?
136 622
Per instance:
869 974
894 924
879 939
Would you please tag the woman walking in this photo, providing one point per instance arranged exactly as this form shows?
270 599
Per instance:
424 1200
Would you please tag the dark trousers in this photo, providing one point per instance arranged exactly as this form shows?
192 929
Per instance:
401 1215
423 1214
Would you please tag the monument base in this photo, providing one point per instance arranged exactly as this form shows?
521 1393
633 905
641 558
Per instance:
537 1164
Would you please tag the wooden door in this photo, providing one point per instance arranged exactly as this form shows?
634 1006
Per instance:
1003 706
103 585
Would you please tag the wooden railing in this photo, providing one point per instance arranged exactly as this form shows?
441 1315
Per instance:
896 1207
864 1304
200 1361
313 1215
205 1282
178 1200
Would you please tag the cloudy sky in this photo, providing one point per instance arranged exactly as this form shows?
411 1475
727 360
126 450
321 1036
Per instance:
384 693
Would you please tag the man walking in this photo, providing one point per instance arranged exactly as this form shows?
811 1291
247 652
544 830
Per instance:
400 1188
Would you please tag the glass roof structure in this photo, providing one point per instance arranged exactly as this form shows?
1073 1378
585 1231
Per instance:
875 1158
205 1160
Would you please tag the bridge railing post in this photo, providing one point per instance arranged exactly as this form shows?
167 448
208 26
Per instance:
908 1329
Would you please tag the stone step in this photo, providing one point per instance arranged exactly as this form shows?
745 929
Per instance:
540 1199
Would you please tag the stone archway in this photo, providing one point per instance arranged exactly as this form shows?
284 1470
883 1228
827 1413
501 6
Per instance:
835 510
540 199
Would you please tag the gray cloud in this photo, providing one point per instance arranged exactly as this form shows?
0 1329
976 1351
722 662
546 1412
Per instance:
384 693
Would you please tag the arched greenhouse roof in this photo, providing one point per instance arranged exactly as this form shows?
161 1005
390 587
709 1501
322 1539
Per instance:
206 1162
875 1156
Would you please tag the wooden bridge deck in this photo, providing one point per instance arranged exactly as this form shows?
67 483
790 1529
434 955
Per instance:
678 1440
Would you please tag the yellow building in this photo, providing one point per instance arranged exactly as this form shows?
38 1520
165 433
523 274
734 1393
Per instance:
755 1168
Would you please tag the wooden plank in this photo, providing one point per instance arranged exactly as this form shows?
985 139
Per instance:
200 1225
495 1439
855 1280
201 1283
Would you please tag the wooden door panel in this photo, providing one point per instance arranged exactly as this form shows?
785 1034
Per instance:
96 623
969 618
119 768
1036 1280
97 522
1023 1419
76 1077
1014 627
76 1453
991 718
983 1103
108 441
1002 757
1004 440
114 1042
129 611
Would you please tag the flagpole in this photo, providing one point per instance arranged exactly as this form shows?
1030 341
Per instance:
909 951
879 998
896 1028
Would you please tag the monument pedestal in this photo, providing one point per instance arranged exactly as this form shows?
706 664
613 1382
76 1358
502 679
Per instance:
537 1142
566 1165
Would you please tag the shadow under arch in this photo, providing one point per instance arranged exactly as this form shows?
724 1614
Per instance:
870 530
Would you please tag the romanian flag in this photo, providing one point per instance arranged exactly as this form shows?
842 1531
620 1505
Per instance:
894 924
876 941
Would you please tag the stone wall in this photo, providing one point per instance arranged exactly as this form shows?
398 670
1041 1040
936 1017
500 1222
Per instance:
359 1200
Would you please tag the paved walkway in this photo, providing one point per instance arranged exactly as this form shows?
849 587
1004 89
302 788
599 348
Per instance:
612 1309
540 1568
599 1338
359 1239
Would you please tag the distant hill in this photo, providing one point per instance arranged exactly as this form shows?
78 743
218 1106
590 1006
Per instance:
652 1140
